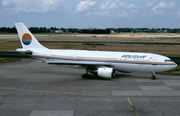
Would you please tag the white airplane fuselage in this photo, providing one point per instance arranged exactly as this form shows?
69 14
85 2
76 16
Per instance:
120 61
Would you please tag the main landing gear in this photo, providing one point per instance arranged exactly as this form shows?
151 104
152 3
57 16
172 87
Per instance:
86 75
153 75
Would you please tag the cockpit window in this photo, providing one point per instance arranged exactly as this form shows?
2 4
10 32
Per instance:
168 60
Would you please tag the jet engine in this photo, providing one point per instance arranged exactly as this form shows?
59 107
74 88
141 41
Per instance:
106 72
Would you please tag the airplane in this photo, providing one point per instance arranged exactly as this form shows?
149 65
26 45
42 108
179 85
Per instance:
103 63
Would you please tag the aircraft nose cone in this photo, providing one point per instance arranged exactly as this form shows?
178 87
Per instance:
174 66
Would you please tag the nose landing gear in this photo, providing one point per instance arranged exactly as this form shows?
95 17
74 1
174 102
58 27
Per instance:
153 75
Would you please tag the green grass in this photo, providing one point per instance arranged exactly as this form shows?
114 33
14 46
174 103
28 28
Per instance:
7 60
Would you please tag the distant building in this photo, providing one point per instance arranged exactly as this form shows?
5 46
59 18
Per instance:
59 31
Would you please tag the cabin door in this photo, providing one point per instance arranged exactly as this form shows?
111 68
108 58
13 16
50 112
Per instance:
153 63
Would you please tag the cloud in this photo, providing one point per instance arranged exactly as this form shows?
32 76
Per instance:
116 8
84 5
108 5
178 13
29 6
131 6
149 4
101 13
160 8
122 14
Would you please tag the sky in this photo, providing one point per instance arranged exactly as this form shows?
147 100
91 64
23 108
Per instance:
91 13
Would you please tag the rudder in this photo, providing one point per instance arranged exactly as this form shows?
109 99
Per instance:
27 39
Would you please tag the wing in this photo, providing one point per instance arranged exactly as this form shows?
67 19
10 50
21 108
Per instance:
82 63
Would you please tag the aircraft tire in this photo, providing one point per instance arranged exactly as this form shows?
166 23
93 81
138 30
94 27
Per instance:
153 77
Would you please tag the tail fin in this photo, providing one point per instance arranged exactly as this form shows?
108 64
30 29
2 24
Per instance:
26 37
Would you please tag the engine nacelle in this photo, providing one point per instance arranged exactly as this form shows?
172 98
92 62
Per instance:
106 72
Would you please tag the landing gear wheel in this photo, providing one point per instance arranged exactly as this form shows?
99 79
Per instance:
153 77
86 76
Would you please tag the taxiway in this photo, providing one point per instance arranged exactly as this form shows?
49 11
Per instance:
30 88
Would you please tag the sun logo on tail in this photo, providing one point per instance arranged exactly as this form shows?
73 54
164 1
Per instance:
26 39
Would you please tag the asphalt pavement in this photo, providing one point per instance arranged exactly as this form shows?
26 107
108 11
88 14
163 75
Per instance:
30 88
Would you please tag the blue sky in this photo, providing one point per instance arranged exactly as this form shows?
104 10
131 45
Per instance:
91 13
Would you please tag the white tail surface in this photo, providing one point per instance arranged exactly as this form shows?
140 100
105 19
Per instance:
26 37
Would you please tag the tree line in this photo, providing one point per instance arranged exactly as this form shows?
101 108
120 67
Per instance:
91 30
